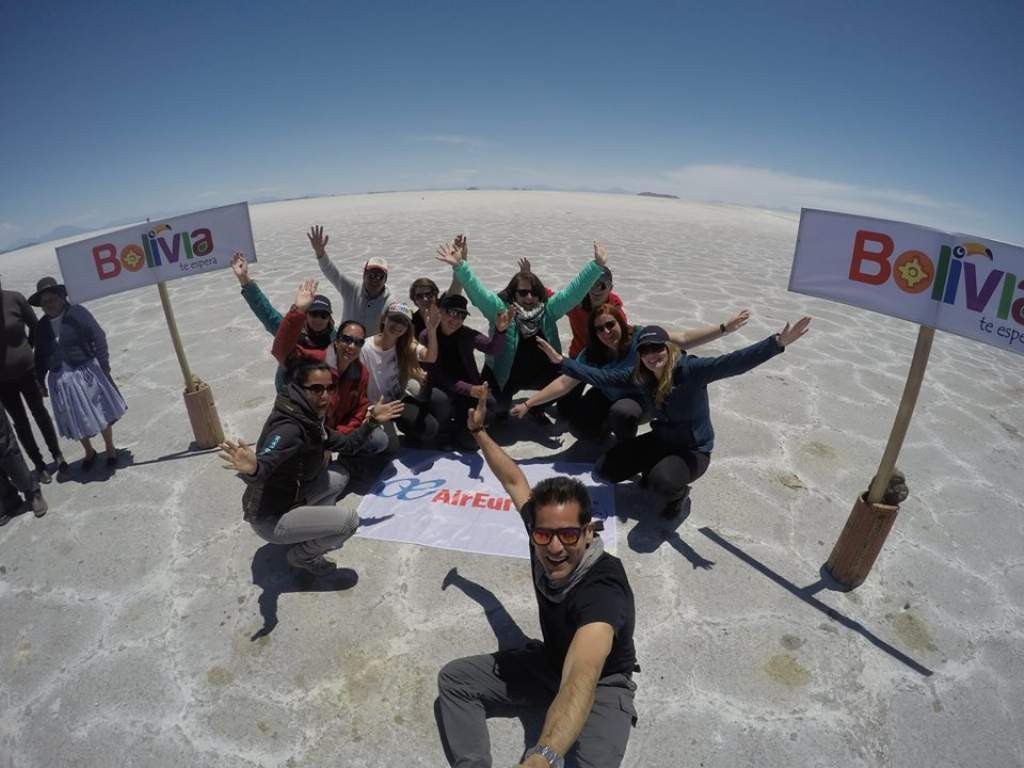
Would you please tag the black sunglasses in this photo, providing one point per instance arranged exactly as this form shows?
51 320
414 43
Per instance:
318 389
524 292
647 349
428 295
320 315
376 274
344 338
568 536
605 327
600 286
461 314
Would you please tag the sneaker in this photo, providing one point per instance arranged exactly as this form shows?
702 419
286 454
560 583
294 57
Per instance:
43 474
318 566
39 505
675 507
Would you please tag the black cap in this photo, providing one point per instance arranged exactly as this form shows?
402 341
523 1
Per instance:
606 275
652 334
454 301
320 304
44 285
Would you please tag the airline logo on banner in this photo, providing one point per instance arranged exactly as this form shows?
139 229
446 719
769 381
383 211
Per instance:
963 284
156 252
454 502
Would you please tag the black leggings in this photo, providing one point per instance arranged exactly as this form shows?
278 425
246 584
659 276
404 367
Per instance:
11 393
423 417
669 470
531 369
593 415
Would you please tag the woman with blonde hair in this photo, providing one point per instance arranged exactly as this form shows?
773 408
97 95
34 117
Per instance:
673 384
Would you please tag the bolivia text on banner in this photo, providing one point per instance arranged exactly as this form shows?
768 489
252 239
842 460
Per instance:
963 284
155 252
454 502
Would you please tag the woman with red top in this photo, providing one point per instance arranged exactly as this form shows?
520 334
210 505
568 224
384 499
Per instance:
348 411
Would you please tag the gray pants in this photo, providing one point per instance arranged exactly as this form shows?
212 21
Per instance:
501 683
317 526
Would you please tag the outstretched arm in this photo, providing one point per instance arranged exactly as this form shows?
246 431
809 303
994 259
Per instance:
485 300
576 290
563 385
694 337
318 241
460 243
571 707
504 468
709 369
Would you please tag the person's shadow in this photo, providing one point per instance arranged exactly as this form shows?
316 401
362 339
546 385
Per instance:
509 637
271 572
651 529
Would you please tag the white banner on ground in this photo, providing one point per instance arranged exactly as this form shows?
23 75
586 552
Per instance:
963 284
452 501
156 252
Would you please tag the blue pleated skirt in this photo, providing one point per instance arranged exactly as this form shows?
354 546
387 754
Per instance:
84 400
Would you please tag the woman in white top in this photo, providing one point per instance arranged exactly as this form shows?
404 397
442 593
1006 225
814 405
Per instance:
392 358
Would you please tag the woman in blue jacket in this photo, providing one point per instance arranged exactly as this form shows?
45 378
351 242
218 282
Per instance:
678 448
71 351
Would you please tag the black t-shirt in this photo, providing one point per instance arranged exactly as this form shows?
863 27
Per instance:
603 595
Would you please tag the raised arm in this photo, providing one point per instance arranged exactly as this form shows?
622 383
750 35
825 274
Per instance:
504 468
709 369
431 319
343 285
694 337
485 300
287 337
571 707
576 290
460 243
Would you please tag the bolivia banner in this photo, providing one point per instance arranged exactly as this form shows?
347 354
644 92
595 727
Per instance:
454 502
963 284
156 252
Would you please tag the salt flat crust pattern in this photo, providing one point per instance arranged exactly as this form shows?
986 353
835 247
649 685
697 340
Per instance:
128 610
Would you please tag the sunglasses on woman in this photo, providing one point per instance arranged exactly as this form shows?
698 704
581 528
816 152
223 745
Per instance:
320 315
424 296
605 327
651 349
344 338
317 389
458 314
524 292
568 536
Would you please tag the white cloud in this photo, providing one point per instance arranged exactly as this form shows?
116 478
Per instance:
767 188
456 140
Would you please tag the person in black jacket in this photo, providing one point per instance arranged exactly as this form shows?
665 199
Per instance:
291 492
678 448
18 381
15 477
71 351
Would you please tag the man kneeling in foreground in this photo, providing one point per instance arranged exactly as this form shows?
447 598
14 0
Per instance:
290 493
583 672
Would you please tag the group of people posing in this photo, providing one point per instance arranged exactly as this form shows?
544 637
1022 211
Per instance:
63 357
350 381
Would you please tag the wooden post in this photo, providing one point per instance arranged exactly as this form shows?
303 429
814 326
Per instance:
202 411
869 523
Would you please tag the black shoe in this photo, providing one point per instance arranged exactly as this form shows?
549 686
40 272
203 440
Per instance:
43 474
39 505
62 468
675 507
4 519
112 461
88 461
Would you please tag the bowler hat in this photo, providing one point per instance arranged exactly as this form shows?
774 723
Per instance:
44 285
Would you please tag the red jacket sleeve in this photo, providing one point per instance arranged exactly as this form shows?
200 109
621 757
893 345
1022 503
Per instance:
287 337
358 415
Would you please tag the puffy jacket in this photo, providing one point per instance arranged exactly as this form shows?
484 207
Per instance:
684 419
558 305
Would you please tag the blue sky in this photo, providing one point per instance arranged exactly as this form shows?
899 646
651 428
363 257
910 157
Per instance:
115 111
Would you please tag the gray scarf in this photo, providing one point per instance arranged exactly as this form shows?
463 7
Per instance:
528 320
556 590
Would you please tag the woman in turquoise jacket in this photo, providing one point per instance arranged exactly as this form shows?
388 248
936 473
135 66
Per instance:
522 364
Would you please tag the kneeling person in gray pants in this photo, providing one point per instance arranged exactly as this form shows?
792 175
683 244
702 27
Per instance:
291 493
583 671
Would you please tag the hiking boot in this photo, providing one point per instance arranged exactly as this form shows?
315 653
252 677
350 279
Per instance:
39 505
675 507
318 566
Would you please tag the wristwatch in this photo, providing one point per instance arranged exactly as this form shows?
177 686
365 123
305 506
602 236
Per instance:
554 759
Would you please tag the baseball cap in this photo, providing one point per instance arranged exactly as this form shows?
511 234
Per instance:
652 334
376 262
320 304
454 301
399 308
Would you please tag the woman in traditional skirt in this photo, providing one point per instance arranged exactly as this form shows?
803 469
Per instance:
72 347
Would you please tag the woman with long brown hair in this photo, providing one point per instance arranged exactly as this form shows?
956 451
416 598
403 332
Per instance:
673 384
608 410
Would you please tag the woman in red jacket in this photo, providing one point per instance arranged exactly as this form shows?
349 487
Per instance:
348 407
